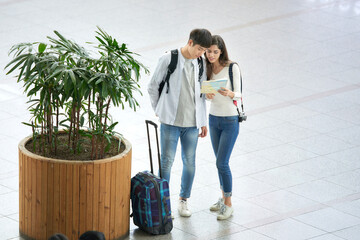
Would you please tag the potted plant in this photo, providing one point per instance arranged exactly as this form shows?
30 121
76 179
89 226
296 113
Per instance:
75 169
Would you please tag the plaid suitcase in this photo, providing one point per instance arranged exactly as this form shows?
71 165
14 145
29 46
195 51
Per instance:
150 198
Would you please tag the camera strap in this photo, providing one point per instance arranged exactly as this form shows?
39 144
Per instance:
232 86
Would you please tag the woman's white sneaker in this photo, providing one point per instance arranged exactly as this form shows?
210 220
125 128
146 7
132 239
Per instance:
183 209
216 206
225 212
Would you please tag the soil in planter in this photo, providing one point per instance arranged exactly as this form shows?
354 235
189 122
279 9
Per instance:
65 153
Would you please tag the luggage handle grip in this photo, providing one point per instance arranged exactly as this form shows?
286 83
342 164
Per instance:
152 123
157 143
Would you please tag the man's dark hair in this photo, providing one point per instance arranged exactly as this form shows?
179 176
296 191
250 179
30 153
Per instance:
201 37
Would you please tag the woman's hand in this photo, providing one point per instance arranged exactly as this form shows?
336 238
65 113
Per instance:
210 95
226 92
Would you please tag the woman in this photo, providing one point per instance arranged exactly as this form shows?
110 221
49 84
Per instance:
223 120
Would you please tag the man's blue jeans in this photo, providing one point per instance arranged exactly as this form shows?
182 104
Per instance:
223 133
169 136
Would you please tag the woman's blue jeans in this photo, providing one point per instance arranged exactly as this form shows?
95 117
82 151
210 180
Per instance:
169 136
223 133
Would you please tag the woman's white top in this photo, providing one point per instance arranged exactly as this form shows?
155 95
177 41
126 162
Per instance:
223 105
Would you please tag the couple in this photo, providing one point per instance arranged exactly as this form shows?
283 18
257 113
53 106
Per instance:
181 110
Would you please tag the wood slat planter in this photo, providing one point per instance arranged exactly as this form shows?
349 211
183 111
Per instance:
71 197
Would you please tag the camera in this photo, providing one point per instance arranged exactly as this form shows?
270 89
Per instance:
242 117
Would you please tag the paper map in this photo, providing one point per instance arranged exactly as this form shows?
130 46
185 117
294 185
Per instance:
212 86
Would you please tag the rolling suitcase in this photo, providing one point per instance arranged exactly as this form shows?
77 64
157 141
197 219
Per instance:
150 197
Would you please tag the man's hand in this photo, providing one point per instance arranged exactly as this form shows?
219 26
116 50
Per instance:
203 132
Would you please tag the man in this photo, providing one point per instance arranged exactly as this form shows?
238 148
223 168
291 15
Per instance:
181 109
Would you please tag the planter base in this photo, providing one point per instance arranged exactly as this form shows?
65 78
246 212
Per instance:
72 197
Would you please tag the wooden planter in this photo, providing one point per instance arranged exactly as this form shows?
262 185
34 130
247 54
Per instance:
71 197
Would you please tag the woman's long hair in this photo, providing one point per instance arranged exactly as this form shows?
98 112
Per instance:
224 57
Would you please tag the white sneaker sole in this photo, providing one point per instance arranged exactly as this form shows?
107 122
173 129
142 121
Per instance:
222 217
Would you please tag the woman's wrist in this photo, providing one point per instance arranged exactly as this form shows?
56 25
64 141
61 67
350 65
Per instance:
232 94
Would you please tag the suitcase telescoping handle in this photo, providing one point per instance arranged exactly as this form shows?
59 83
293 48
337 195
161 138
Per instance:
157 143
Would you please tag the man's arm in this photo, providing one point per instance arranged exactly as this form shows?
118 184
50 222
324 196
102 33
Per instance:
157 77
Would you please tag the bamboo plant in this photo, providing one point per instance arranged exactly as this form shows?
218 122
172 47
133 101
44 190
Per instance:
72 89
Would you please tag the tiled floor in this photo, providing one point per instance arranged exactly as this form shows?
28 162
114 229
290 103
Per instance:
296 164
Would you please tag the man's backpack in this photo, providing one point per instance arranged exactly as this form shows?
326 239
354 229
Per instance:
172 67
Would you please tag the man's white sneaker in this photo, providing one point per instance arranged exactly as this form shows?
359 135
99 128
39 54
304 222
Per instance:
225 212
183 209
216 206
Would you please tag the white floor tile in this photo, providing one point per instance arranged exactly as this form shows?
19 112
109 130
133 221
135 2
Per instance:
283 177
247 164
8 228
246 187
195 225
289 92
323 67
282 201
321 191
246 212
328 219
327 104
348 76
9 203
289 229
290 113
246 235
351 96
287 132
351 207
351 233
327 237
254 141
321 167
350 180
322 144
323 123
350 114
350 58
286 154
350 135
349 156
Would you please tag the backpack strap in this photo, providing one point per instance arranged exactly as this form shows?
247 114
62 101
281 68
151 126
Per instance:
172 67
170 70
201 69
232 86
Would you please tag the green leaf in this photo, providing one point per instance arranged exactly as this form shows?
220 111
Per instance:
99 81
42 47
72 76
20 58
28 124
82 120
104 92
